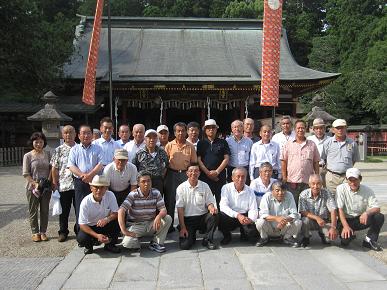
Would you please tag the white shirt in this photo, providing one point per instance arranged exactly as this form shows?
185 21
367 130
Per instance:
108 148
132 148
319 143
281 139
260 189
120 181
261 153
91 211
194 200
233 202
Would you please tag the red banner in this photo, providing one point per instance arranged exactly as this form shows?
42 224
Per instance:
92 60
272 26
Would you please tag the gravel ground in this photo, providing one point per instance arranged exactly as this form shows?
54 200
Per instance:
15 234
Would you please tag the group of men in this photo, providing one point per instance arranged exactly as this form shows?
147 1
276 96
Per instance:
281 187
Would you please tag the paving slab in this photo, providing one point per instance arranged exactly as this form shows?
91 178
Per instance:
93 274
345 266
134 285
320 282
137 269
374 285
234 284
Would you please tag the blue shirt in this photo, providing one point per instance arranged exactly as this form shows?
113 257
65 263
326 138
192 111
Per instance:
85 158
108 148
240 151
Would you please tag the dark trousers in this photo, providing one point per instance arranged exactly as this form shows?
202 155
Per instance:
172 181
215 186
229 174
111 230
296 189
158 183
120 195
206 223
66 199
374 223
228 224
81 190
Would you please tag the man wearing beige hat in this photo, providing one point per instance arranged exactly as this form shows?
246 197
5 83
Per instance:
98 217
319 137
163 134
121 174
339 154
213 157
358 210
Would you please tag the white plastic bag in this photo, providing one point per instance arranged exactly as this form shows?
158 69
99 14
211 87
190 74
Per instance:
56 207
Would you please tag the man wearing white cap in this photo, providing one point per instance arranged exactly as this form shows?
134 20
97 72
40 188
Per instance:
121 174
98 217
138 141
319 138
153 159
339 154
358 210
163 134
213 157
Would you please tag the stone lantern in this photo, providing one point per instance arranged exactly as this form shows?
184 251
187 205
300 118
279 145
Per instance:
50 117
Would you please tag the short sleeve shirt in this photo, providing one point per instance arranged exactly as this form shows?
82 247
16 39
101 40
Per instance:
180 157
321 206
212 153
59 161
121 180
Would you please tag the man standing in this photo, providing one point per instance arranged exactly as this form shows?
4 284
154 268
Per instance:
98 217
265 151
319 138
152 159
286 134
121 174
278 217
238 208
85 161
106 142
339 153
62 179
181 154
137 143
163 134
147 210
300 159
193 133
196 210
213 157
358 210
240 147
124 134
318 210
248 129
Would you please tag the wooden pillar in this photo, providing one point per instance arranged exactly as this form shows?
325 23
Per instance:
241 110
124 112
203 117
164 119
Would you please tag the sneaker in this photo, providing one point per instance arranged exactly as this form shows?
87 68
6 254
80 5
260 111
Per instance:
290 241
243 237
43 237
261 242
346 242
208 244
226 239
112 248
157 247
62 238
373 245
305 242
36 237
88 251
323 238
171 229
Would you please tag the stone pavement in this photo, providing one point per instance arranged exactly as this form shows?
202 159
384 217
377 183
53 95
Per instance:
238 266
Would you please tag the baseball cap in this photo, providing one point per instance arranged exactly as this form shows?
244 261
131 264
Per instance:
339 123
150 131
161 128
353 172
121 154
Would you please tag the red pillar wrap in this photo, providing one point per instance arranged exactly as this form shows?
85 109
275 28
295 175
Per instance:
92 60
272 25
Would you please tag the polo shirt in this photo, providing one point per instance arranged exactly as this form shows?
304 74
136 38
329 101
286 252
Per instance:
239 151
355 203
321 206
141 208
340 157
85 158
108 148
233 202
194 199
91 211
212 153
121 180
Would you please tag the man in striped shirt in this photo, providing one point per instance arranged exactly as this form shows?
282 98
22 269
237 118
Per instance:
146 208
